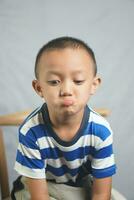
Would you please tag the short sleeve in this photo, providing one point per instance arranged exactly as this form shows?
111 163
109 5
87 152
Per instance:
103 162
28 159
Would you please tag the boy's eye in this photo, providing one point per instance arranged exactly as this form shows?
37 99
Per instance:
54 82
79 82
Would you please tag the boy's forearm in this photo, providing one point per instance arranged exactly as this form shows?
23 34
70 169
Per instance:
44 197
38 189
40 197
101 189
101 197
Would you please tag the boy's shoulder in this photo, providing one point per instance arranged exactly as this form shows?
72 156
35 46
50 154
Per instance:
96 118
99 126
33 121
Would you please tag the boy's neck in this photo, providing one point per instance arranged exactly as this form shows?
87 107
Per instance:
69 121
67 127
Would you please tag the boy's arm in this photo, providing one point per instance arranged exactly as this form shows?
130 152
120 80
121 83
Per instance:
38 189
101 189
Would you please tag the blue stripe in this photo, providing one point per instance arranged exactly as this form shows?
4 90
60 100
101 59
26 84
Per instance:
62 170
40 131
98 130
80 153
104 152
37 131
55 153
28 140
102 173
29 162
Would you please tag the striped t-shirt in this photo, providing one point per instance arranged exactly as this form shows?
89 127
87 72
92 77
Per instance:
42 154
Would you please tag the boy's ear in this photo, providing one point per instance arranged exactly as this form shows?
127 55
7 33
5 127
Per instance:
37 87
95 84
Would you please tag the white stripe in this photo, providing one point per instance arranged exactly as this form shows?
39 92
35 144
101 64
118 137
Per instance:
30 153
87 140
33 113
70 164
45 142
105 143
34 121
103 163
28 172
59 179
96 118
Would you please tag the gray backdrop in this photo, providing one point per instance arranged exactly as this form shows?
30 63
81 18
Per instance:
108 27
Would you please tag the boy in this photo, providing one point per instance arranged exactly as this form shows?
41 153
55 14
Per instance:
64 141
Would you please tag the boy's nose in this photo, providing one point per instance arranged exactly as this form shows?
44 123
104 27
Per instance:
66 89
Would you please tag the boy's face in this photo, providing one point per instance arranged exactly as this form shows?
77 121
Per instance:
66 80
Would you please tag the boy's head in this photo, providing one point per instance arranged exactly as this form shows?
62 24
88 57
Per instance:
65 71
62 43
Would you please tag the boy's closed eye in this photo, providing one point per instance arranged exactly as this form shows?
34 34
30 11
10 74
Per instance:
53 82
56 82
79 82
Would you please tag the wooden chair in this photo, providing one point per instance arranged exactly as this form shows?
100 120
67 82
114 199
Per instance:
4 184
15 119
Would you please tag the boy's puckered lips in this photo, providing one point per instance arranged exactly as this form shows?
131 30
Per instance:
67 102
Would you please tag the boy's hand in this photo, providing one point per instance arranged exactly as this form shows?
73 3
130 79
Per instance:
102 188
37 189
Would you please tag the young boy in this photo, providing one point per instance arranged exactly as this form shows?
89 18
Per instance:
64 141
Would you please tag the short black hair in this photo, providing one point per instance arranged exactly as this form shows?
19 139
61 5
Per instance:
62 43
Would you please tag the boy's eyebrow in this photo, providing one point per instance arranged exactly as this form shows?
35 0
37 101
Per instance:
59 73
53 72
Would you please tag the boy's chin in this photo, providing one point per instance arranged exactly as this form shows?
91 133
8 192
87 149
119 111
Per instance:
69 111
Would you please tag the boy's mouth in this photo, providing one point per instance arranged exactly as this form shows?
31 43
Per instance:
67 102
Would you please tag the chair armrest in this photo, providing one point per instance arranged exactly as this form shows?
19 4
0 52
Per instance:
17 118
